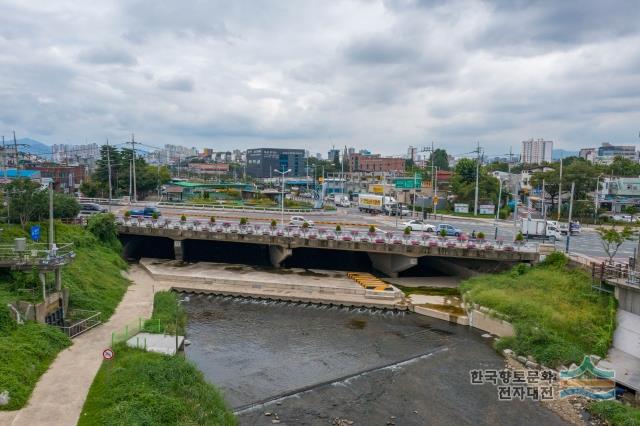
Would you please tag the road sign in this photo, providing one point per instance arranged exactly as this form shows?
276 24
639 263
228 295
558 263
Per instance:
408 183
107 354
35 232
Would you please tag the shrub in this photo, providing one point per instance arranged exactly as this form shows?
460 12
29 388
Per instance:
243 221
519 237
154 215
338 228
443 232
103 226
407 230
305 226
480 235
212 219
127 214
183 218
372 229
274 223
556 259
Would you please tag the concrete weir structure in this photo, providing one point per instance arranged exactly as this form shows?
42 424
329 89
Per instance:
390 257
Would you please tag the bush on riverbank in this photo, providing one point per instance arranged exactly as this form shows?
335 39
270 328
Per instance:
144 388
167 312
95 282
615 413
558 317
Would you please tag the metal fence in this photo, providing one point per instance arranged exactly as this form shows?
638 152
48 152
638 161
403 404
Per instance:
142 325
36 254
78 321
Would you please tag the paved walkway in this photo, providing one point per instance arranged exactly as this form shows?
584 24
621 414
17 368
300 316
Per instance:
60 394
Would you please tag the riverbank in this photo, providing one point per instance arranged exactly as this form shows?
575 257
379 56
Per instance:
95 283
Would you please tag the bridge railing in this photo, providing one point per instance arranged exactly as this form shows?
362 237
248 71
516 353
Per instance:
347 235
203 206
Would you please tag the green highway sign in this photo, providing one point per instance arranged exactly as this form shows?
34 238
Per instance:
408 183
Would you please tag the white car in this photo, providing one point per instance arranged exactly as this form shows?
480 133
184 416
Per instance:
299 221
418 225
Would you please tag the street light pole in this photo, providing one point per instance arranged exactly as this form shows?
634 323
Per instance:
573 184
282 173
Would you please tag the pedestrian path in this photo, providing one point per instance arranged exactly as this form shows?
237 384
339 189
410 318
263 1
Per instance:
60 393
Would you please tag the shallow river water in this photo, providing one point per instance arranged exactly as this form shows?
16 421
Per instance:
311 364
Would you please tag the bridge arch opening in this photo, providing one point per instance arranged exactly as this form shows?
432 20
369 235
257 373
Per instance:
135 247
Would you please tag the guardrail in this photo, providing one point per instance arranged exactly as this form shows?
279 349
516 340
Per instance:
232 208
37 254
80 321
118 201
291 231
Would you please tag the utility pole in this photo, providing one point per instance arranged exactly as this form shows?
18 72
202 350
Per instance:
51 235
475 205
109 173
544 211
560 191
570 212
15 148
133 159
413 204
4 159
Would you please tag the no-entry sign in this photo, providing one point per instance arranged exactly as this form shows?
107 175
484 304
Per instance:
107 354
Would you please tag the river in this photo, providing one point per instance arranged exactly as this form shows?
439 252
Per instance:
311 364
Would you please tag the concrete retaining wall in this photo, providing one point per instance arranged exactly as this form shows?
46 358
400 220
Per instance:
434 313
495 326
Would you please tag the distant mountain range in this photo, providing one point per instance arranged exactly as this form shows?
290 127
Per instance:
35 147
557 154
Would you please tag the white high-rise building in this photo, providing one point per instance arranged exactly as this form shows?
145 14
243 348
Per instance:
536 151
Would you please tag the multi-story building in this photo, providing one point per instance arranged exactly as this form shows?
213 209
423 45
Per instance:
62 153
209 169
332 154
412 153
65 178
589 154
612 151
536 151
375 163
261 162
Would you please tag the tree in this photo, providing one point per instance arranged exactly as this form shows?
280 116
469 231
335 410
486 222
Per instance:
612 239
551 180
583 174
623 167
466 170
501 166
25 200
440 159
103 226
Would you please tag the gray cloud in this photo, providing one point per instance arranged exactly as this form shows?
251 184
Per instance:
107 56
181 84
381 75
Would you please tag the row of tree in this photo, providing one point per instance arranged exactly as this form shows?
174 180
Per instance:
27 201
148 178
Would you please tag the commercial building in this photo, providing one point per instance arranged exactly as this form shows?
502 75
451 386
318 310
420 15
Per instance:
375 163
612 151
65 178
209 169
589 154
332 154
261 162
536 151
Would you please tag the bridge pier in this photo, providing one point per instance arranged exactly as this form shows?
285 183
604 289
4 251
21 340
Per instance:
277 254
178 249
392 264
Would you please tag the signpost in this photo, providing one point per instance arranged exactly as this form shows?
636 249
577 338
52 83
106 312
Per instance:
409 183
107 354
35 233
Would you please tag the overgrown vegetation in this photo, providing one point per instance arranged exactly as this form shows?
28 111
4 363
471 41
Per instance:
615 413
167 313
558 317
144 388
429 291
95 282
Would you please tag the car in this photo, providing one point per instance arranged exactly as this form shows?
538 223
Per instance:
147 211
87 209
418 225
451 230
299 221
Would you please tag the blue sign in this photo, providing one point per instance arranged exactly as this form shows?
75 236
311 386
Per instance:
35 232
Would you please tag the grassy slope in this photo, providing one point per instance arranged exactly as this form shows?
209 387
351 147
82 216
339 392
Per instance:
615 413
557 316
163 319
144 388
96 284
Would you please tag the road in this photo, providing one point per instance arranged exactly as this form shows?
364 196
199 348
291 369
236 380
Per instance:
586 243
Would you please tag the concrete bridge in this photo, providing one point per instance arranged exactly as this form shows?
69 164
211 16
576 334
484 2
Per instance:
389 253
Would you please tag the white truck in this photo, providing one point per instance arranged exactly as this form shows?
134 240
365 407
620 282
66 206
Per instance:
373 203
341 200
539 229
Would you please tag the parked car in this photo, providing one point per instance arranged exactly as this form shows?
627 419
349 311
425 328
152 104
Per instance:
147 211
299 221
451 230
418 225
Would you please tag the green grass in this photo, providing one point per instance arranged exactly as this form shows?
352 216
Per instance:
25 353
165 311
557 316
143 388
95 282
615 413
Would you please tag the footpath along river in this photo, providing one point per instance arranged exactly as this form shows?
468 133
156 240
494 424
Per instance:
311 364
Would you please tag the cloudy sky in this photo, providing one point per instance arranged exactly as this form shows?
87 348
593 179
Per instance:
381 75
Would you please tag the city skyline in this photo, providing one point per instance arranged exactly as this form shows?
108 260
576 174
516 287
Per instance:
381 76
